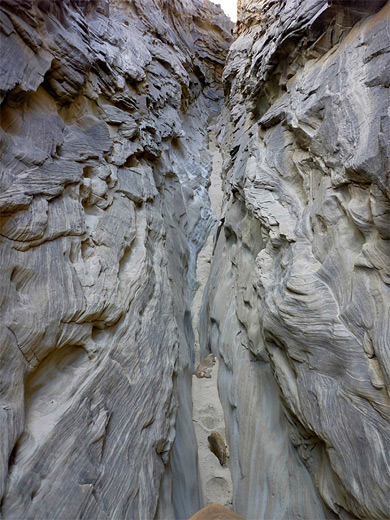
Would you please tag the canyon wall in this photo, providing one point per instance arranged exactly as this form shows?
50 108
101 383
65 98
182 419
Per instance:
297 303
104 206
105 164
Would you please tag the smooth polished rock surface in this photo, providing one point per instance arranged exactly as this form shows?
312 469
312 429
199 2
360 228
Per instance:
297 304
104 207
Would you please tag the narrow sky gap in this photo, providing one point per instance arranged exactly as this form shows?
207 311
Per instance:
229 6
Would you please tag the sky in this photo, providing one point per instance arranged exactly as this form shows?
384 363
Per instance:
229 6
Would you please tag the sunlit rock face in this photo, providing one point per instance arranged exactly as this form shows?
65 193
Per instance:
103 209
297 304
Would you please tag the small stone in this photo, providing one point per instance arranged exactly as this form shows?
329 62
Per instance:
218 447
205 367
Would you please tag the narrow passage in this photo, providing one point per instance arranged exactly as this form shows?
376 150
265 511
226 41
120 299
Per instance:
208 416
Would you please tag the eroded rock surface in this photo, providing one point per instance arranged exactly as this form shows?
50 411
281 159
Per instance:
104 206
297 304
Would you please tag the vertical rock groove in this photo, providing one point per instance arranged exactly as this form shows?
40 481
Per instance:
208 413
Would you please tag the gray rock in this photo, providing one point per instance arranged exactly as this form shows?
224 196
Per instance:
297 303
102 141
106 108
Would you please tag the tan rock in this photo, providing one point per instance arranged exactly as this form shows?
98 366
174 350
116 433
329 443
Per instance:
205 366
218 447
216 512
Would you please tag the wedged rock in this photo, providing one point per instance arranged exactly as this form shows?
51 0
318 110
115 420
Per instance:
205 367
218 447
297 304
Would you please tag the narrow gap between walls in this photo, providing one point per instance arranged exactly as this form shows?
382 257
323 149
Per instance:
208 417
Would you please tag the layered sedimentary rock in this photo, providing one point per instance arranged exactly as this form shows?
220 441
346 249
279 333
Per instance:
297 304
104 206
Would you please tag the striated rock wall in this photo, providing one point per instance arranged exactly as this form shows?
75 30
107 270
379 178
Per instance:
297 303
103 210
104 206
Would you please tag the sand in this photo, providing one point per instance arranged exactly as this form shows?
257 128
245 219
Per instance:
207 410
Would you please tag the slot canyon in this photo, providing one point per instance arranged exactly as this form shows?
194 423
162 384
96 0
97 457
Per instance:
195 260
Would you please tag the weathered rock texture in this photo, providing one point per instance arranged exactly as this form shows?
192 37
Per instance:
104 206
297 304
